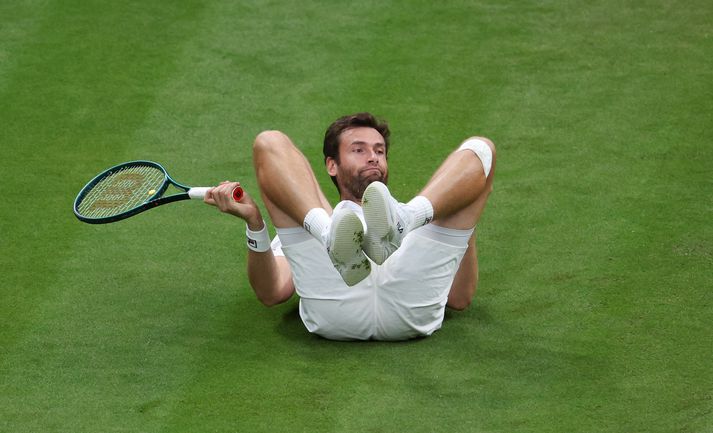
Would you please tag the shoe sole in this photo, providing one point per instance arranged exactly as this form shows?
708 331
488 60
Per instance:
377 214
346 251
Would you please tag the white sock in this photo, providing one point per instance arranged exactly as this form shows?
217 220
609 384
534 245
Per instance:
481 150
317 222
421 211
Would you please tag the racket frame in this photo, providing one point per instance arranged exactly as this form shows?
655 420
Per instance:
151 202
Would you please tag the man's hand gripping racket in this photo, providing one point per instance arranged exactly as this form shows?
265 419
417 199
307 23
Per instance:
223 197
130 188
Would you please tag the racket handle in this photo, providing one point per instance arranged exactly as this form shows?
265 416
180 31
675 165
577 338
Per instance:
200 192
237 193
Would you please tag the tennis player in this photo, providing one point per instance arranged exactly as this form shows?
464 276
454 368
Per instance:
371 268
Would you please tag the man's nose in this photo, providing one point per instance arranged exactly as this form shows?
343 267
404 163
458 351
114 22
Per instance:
373 156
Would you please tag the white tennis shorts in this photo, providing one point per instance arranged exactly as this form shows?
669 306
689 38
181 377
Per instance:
403 298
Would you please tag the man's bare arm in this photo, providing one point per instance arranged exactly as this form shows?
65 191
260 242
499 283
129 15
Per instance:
269 276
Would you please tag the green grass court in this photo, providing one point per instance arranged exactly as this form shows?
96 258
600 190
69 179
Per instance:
594 311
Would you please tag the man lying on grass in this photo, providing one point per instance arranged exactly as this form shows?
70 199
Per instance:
372 268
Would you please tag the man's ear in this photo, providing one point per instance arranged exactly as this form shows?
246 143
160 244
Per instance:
331 166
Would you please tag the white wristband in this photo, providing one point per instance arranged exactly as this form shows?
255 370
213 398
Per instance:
258 241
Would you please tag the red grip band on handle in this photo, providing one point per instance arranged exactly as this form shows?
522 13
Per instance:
237 193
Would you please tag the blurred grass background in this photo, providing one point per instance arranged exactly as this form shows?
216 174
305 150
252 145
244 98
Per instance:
596 252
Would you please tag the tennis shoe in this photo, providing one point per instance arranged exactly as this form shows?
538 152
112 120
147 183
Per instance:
387 223
346 234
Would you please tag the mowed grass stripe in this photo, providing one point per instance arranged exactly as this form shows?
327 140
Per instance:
19 21
78 90
125 278
597 204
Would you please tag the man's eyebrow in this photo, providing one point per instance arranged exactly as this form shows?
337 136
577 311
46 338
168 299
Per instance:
361 142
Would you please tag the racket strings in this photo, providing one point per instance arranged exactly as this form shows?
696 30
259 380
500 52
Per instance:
121 191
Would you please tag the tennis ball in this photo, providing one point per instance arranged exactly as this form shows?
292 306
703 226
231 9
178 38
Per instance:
152 192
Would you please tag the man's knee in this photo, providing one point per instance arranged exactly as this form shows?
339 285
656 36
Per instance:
269 141
483 148
459 304
489 142
486 140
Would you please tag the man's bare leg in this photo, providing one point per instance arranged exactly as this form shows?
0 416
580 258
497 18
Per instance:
288 185
453 198
293 198
459 189
462 210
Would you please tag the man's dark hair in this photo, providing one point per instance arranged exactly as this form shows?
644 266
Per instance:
335 130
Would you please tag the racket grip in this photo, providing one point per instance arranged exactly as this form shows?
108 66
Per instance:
237 193
200 192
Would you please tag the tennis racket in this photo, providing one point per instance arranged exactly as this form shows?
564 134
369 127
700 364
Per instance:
130 188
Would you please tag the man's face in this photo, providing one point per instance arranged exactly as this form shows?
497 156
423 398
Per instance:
362 160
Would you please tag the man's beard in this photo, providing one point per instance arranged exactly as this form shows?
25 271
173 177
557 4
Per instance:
357 184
